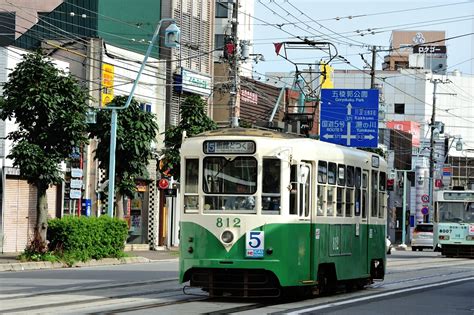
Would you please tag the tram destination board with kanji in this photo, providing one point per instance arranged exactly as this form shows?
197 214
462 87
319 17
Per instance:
349 117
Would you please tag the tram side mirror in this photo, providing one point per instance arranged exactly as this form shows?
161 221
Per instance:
284 154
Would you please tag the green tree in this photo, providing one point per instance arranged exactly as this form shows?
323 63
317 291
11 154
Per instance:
49 108
194 121
136 130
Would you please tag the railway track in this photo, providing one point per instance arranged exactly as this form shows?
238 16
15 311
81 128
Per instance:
167 294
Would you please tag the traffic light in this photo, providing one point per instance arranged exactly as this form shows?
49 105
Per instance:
229 47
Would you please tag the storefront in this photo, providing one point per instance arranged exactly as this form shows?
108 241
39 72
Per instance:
136 214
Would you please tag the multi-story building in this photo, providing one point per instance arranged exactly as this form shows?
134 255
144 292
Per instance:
417 49
189 67
103 43
18 16
229 13
17 212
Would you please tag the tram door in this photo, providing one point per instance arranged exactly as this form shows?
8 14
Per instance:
364 220
304 214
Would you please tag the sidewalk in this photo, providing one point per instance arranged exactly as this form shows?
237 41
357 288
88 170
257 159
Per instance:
9 261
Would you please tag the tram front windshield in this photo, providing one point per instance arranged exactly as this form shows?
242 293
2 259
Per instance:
230 183
456 212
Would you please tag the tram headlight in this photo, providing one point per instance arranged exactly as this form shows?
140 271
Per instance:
470 237
227 237
444 237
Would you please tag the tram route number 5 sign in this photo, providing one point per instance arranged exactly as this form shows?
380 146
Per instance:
254 244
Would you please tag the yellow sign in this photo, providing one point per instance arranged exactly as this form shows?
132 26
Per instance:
107 83
327 73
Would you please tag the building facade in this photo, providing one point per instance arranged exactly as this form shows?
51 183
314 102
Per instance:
417 49
103 42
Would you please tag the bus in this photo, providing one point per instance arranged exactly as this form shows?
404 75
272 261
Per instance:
266 213
454 222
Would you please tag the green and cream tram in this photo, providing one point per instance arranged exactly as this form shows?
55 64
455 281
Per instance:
453 227
265 212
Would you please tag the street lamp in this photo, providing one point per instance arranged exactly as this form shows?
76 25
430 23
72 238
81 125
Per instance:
172 37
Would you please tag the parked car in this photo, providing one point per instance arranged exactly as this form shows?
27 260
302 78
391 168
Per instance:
388 245
422 237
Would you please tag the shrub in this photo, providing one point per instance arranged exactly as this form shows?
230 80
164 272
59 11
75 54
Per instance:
85 238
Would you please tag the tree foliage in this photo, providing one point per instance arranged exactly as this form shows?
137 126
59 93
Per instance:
194 121
49 108
136 130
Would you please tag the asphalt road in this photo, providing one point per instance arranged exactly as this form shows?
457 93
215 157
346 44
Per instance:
416 283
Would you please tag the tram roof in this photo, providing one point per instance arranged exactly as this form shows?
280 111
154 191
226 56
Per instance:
250 132
266 133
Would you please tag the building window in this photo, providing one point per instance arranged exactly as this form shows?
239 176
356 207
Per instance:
219 41
7 28
399 108
146 107
222 9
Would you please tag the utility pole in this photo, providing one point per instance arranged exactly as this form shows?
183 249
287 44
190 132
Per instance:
432 145
372 68
234 100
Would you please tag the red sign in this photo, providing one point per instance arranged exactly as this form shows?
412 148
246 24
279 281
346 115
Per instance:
407 126
163 183
425 198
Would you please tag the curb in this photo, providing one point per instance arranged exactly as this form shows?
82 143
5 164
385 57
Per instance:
23 266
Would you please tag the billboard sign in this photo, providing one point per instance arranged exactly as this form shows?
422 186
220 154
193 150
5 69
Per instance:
410 127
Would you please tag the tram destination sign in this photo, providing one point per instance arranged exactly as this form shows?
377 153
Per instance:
350 117
229 147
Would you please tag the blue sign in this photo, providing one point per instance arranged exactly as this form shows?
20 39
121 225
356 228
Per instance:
350 117
86 207
425 210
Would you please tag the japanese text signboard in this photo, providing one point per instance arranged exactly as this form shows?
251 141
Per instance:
350 117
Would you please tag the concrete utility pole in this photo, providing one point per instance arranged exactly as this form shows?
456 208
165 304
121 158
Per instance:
234 100
432 145
372 68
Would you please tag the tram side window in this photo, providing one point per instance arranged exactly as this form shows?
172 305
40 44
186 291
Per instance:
374 193
365 198
330 201
382 199
358 179
340 201
332 169
322 172
349 190
305 189
271 183
341 175
191 198
294 185
350 176
349 201
321 200
340 191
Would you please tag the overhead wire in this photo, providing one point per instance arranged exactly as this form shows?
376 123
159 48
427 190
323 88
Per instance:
296 36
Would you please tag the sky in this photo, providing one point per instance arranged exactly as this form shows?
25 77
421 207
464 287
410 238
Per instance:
342 22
